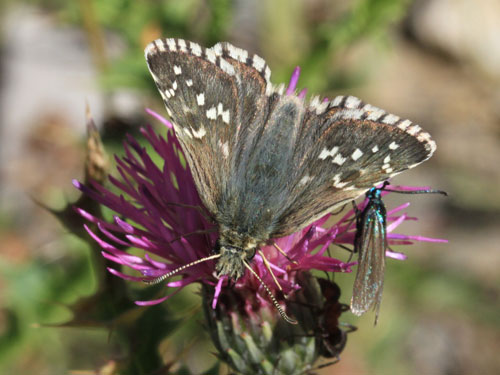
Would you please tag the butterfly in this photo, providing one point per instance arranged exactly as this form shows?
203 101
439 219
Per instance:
267 164
370 242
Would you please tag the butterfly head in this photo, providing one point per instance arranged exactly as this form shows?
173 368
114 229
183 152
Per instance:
235 249
231 261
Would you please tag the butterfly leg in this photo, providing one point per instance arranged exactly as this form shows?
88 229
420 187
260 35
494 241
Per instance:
282 252
203 231
268 266
202 212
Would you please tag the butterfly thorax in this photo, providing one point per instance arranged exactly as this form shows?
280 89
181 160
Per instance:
235 248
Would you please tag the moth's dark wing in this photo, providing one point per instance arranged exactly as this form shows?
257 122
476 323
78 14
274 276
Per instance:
214 96
370 243
344 148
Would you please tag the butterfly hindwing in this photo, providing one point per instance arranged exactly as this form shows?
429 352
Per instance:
345 147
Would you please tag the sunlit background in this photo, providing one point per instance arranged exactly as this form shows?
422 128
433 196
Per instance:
436 62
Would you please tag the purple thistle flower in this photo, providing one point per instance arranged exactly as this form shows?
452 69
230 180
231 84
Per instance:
158 210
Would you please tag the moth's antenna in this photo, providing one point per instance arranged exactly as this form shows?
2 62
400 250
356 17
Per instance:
429 191
159 279
271 295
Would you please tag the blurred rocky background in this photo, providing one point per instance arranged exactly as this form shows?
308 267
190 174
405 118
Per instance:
436 62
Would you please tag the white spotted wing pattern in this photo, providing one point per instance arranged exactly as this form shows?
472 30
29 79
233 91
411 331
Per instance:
267 164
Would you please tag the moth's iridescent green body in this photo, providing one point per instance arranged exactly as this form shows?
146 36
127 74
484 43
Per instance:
370 243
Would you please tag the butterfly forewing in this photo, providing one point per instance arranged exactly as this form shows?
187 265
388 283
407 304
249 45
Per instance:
267 164
213 100
370 243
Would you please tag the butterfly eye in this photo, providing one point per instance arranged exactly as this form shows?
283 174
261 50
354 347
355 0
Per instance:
250 254
216 248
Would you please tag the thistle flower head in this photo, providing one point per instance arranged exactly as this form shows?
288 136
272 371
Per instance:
157 209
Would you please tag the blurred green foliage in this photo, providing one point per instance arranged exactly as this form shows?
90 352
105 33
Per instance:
288 33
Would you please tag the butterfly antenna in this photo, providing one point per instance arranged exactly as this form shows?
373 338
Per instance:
271 295
159 279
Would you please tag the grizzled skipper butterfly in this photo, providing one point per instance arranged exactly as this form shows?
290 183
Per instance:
267 164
